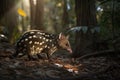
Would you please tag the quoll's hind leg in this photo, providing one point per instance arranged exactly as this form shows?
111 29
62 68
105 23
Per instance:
47 56
39 56
32 57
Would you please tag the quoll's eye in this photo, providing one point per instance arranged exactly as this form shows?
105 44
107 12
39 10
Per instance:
67 45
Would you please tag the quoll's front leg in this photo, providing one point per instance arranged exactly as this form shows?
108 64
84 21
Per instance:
48 56
49 59
39 56
50 52
32 57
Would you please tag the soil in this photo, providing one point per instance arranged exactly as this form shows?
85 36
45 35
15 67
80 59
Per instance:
60 67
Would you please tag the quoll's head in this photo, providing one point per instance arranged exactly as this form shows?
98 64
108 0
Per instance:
63 43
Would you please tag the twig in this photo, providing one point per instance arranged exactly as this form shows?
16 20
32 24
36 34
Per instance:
105 52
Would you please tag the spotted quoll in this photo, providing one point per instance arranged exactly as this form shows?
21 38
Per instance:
35 42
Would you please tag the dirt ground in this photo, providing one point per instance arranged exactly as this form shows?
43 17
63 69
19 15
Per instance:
62 67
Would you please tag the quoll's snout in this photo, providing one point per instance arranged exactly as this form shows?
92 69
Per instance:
35 42
70 50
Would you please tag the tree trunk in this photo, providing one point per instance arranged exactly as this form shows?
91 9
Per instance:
85 12
86 20
32 14
9 17
5 6
39 15
65 17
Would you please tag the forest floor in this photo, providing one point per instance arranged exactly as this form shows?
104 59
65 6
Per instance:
62 67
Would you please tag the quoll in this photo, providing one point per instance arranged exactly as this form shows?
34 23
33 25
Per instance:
35 42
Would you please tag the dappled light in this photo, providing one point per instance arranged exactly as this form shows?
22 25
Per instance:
59 39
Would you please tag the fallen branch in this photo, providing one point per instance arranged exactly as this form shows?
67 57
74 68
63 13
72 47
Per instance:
100 53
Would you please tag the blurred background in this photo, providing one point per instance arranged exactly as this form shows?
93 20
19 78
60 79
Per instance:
55 16
18 16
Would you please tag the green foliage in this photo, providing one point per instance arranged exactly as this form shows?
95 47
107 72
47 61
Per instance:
109 18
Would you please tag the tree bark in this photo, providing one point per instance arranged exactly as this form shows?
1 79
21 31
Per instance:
5 6
65 17
32 14
86 19
39 15
9 17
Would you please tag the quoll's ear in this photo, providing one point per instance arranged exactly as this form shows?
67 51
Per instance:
61 36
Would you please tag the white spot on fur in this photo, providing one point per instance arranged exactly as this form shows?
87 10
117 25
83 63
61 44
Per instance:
50 40
30 42
43 38
43 33
40 49
37 50
52 45
34 36
47 40
32 32
41 43
47 35
32 50
2 35
38 32
22 40
26 39
48 47
35 42
30 37
45 46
